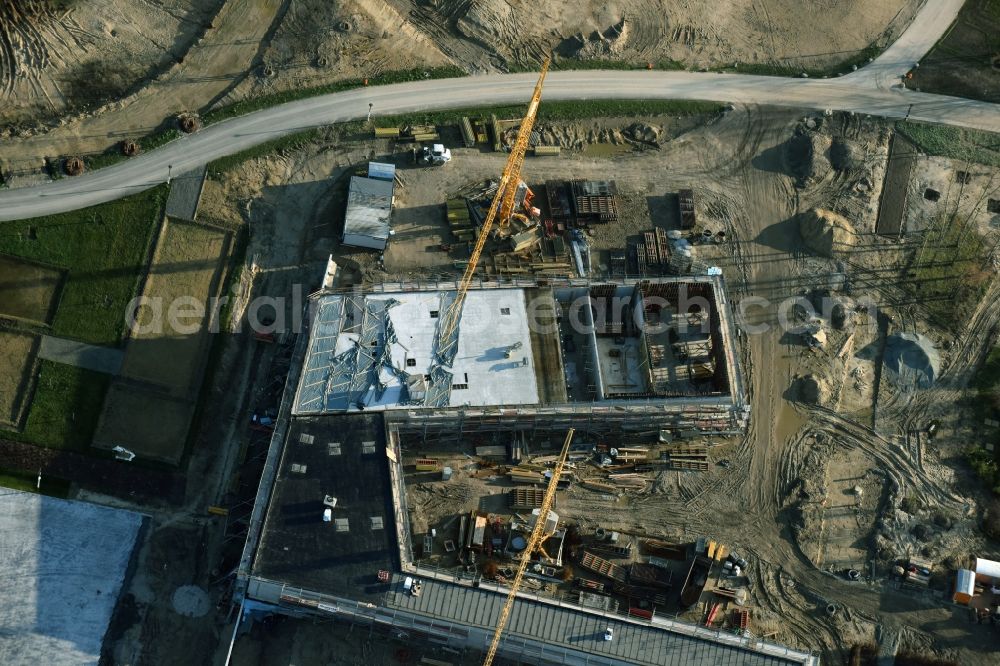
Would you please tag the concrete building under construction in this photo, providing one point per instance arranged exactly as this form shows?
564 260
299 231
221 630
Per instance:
614 356
330 530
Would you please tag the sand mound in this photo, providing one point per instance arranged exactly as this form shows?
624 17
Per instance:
911 360
805 157
825 232
487 22
844 155
810 390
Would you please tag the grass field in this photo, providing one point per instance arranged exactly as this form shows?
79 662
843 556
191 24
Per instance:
29 289
947 275
164 364
103 250
65 407
966 62
29 483
187 264
954 142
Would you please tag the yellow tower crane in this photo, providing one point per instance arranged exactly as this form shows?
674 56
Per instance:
503 203
534 542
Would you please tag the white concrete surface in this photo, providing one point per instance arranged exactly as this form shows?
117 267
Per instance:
62 566
866 91
484 335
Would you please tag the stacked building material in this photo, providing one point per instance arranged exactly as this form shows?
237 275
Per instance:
459 220
558 197
618 265
468 136
652 252
603 567
629 480
663 246
700 371
685 206
663 549
687 457
631 453
525 475
594 201
526 499
649 576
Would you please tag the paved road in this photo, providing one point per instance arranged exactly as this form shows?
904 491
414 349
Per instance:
866 91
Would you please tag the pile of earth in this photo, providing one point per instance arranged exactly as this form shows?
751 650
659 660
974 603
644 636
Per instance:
810 390
643 132
805 157
844 155
911 360
825 232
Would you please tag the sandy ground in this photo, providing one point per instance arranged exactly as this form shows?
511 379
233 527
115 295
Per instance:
122 40
320 42
202 73
970 199
697 34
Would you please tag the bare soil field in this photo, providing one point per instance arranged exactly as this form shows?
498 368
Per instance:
59 56
17 361
204 66
196 56
29 290
517 33
163 366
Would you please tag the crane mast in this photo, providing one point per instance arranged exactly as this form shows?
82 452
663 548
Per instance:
503 203
534 541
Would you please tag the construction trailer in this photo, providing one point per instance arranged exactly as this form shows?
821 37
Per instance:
369 208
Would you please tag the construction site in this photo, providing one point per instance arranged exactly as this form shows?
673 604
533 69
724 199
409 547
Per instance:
597 297
593 378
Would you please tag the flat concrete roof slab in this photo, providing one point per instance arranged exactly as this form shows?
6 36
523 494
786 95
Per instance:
363 349
63 565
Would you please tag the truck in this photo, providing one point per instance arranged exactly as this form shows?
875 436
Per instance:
436 155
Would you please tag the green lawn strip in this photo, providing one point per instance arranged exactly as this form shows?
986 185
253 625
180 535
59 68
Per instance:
569 64
29 483
252 104
954 142
64 408
548 112
104 250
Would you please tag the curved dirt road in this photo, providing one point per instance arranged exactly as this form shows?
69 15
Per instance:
863 91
